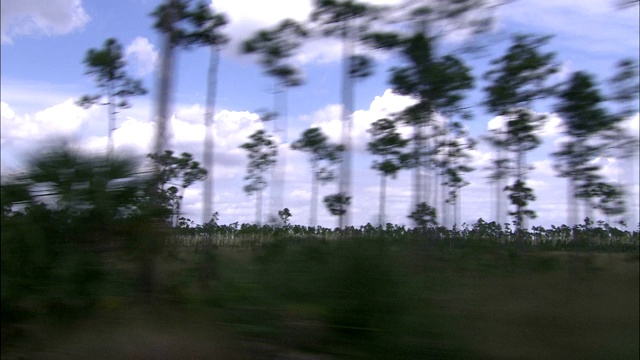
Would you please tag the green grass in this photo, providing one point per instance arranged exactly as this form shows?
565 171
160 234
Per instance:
359 298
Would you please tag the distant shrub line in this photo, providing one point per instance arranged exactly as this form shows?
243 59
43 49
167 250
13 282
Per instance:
587 236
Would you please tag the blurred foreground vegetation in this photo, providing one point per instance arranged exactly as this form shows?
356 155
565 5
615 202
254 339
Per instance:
96 265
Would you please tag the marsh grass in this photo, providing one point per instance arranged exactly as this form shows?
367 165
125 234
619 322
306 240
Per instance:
359 297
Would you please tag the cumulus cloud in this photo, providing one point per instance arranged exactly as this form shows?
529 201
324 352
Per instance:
552 124
329 118
134 134
142 55
36 17
58 120
632 124
20 133
265 14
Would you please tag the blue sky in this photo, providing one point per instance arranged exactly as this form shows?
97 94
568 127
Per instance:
44 43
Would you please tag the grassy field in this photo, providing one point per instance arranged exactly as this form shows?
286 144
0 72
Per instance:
362 298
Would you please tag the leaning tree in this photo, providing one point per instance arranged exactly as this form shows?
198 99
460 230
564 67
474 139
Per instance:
388 144
207 32
517 80
276 47
323 156
262 153
107 65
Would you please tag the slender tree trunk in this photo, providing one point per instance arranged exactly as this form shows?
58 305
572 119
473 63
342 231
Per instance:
445 209
519 178
428 175
347 109
208 153
278 173
588 209
313 211
572 218
436 194
457 208
633 179
165 83
417 173
259 207
111 124
383 195
499 186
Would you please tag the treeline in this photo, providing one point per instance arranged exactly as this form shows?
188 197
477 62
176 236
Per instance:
588 236
439 147
79 231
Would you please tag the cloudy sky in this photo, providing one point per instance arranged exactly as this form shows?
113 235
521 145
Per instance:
45 41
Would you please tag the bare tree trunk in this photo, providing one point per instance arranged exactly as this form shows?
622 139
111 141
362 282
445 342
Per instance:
499 187
164 91
428 175
417 173
347 123
111 108
445 209
279 170
259 207
313 211
456 209
571 204
208 155
519 177
383 195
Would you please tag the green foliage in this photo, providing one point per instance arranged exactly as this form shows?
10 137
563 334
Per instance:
276 46
322 154
438 83
518 79
423 216
581 107
284 216
175 175
206 26
590 128
336 17
106 65
323 157
261 151
454 157
387 143
626 87
520 76
173 19
520 195
337 204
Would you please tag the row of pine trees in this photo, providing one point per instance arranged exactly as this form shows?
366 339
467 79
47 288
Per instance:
439 146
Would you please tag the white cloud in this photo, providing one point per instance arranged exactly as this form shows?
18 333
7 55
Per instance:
142 55
552 126
33 17
496 123
329 118
21 133
544 167
633 124
58 120
263 14
134 134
